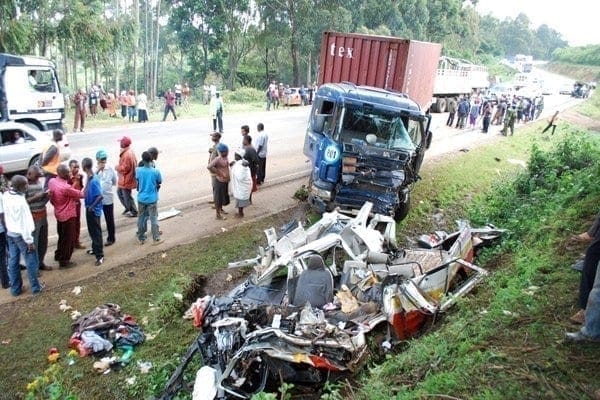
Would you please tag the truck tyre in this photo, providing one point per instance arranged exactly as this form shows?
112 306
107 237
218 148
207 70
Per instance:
402 210
440 105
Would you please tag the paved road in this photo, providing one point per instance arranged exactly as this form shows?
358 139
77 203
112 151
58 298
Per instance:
184 145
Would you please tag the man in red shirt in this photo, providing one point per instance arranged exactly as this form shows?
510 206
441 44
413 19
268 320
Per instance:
64 198
169 104
126 182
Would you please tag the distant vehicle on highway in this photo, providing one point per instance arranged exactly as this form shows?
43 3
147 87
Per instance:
499 90
21 146
566 88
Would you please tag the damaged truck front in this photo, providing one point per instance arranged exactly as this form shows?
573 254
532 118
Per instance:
367 131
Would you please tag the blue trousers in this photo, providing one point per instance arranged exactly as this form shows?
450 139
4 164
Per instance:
147 211
591 328
16 247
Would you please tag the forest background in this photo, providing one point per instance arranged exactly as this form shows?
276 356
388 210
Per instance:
150 45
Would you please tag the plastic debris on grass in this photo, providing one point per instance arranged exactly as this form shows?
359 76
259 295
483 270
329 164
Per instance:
76 290
178 296
144 366
170 213
63 306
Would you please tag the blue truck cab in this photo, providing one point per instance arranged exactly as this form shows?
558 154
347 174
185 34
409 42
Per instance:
364 144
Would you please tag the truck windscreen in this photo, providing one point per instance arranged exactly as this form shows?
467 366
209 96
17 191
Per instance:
379 128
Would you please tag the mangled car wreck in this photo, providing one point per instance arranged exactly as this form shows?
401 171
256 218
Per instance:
316 293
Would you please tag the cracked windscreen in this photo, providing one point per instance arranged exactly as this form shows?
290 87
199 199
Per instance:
379 128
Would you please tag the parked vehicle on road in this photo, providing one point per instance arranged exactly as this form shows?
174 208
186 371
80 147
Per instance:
30 92
292 97
456 78
21 146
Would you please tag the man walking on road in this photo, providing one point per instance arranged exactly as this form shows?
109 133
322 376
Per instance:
216 112
148 182
64 198
126 182
93 210
262 141
19 229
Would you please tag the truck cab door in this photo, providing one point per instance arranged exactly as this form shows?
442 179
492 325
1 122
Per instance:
320 126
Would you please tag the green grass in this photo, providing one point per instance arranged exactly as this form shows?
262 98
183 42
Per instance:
479 351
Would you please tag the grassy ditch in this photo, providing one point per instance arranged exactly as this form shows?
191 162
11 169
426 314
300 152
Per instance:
503 342
506 342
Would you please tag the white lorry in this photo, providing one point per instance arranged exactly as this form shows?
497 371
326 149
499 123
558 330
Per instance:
30 92
456 78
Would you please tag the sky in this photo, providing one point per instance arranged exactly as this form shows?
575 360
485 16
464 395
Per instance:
576 20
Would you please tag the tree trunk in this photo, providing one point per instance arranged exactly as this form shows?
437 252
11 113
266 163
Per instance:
74 70
293 42
65 64
308 69
136 40
155 84
117 74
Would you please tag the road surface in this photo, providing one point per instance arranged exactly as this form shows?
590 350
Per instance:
184 148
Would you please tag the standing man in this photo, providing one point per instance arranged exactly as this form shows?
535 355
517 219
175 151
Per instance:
178 94
251 156
108 179
37 198
245 131
463 110
215 138
76 181
80 100
216 112
51 156
261 148
487 115
126 182
219 166
64 199
19 229
3 271
451 111
93 210
509 120
148 182
169 104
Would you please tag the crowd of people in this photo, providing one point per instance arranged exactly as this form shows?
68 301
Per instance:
128 104
470 111
279 94
23 208
246 171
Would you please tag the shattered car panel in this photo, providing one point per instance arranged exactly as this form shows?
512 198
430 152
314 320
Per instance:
315 293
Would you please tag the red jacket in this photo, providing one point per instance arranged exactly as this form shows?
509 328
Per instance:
126 169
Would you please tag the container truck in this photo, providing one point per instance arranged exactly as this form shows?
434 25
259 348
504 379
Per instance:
368 129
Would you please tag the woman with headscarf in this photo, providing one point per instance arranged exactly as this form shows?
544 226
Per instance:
241 181
220 167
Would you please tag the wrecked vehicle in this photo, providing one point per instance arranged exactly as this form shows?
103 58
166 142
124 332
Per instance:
316 293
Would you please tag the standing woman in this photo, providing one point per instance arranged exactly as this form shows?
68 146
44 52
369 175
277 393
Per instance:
142 106
111 103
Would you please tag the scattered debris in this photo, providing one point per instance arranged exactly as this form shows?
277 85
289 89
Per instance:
131 381
6 341
223 229
497 159
170 213
76 290
144 366
178 296
316 293
229 278
131 274
464 150
75 315
63 306
517 162
53 355
163 255
509 313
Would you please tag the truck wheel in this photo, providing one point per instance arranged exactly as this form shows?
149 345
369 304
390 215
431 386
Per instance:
402 210
440 105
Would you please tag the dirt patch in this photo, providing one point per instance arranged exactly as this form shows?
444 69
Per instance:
576 118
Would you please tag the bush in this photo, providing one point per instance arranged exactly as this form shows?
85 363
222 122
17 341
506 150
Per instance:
244 95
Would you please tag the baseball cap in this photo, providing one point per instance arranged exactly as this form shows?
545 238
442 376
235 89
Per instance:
101 155
125 141
222 148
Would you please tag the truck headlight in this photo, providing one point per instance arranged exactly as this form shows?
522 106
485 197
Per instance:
322 193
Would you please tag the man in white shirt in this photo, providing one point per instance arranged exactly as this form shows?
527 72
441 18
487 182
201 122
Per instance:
19 231
261 149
